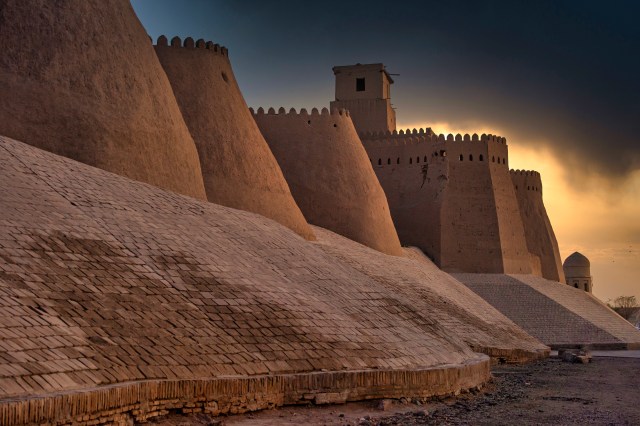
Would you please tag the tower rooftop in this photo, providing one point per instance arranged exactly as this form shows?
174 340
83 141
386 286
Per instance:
363 67
577 259
365 91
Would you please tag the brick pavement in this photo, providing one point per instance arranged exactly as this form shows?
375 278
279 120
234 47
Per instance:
423 286
105 281
557 314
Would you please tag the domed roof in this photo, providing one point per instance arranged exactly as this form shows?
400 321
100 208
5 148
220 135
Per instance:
576 259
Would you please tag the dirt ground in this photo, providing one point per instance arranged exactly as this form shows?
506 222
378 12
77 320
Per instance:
604 392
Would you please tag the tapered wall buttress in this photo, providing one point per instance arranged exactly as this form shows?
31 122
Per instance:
329 173
239 169
541 240
80 79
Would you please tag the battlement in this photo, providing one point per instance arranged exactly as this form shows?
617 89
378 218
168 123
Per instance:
395 133
429 134
419 136
189 43
303 112
472 138
524 172
528 180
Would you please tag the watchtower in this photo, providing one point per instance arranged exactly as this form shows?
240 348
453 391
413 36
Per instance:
365 90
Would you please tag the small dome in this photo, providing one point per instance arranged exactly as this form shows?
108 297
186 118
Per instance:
576 260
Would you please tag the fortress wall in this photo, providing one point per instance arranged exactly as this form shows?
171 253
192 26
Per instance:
369 113
470 227
116 301
80 79
238 168
459 206
515 254
413 188
541 240
329 174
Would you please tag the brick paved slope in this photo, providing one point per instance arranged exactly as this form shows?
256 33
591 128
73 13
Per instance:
585 305
106 280
555 313
421 285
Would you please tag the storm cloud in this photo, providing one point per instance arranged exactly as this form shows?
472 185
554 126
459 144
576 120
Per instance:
559 73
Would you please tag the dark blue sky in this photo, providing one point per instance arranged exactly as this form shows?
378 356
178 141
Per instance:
562 73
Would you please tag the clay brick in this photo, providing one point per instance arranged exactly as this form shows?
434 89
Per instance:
332 305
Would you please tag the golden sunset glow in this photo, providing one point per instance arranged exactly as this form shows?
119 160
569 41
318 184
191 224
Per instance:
595 216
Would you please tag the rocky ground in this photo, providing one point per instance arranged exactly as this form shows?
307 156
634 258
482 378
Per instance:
604 392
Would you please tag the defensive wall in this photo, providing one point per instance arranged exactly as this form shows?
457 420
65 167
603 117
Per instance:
122 301
329 174
238 168
452 196
541 240
80 79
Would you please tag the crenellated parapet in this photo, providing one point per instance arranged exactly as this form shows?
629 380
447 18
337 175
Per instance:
526 180
323 119
471 138
405 137
303 112
189 43
395 133
326 122
397 138
524 172
428 133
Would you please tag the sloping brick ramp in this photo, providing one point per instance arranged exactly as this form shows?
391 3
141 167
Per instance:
556 314
121 301
423 286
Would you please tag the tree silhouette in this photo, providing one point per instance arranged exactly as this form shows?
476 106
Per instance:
625 306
